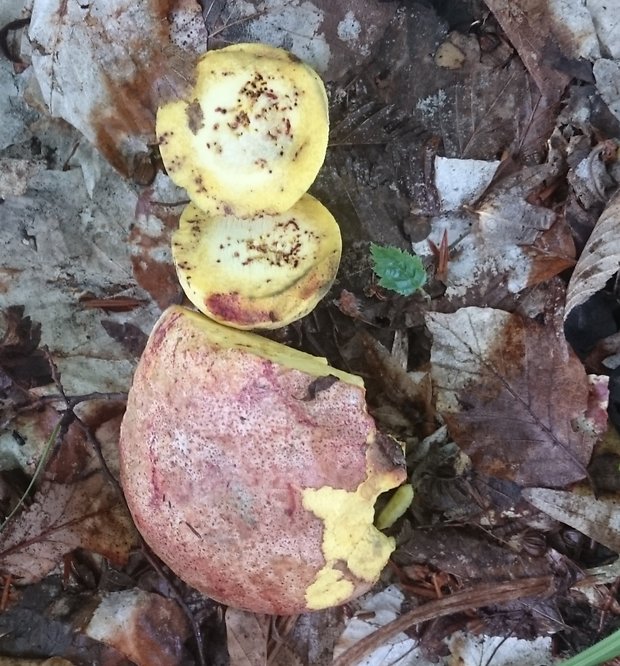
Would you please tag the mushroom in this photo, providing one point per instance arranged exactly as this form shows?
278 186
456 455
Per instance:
259 272
252 469
252 133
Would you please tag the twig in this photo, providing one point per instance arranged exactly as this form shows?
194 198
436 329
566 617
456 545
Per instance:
42 460
478 597
154 562
70 401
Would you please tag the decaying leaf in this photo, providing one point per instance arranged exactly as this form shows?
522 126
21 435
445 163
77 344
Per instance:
22 362
15 175
504 243
529 27
606 72
86 514
311 638
598 518
410 391
148 628
469 648
513 395
25 438
50 617
468 555
52 661
332 36
248 637
599 260
105 70
376 611
59 235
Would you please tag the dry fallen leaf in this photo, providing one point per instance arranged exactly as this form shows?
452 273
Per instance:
503 244
248 635
15 175
106 69
331 35
57 234
599 260
530 26
21 361
86 514
468 555
514 396
376 611
474 648
597 518
148 628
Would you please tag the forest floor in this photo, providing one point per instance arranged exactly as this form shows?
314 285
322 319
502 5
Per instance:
483 138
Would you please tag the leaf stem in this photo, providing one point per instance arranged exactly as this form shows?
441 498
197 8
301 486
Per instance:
35 477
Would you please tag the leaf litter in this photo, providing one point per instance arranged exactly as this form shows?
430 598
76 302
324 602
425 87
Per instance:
484 139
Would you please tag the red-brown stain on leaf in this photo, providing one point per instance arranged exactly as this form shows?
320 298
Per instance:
162 72
155 276
552 252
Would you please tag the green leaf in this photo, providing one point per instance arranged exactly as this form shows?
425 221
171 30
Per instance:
397 270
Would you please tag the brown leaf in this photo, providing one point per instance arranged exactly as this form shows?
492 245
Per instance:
86 514
467 555
531 30
248 634
20 357
514 396
312 638
408 391
146 627
551 253
536 120
130 336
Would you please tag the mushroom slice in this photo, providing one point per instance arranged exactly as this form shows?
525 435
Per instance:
252 469
259 272
251 135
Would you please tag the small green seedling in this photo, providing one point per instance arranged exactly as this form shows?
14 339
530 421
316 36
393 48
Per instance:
397 270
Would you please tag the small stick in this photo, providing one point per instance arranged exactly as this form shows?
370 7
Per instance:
154 562
478 597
